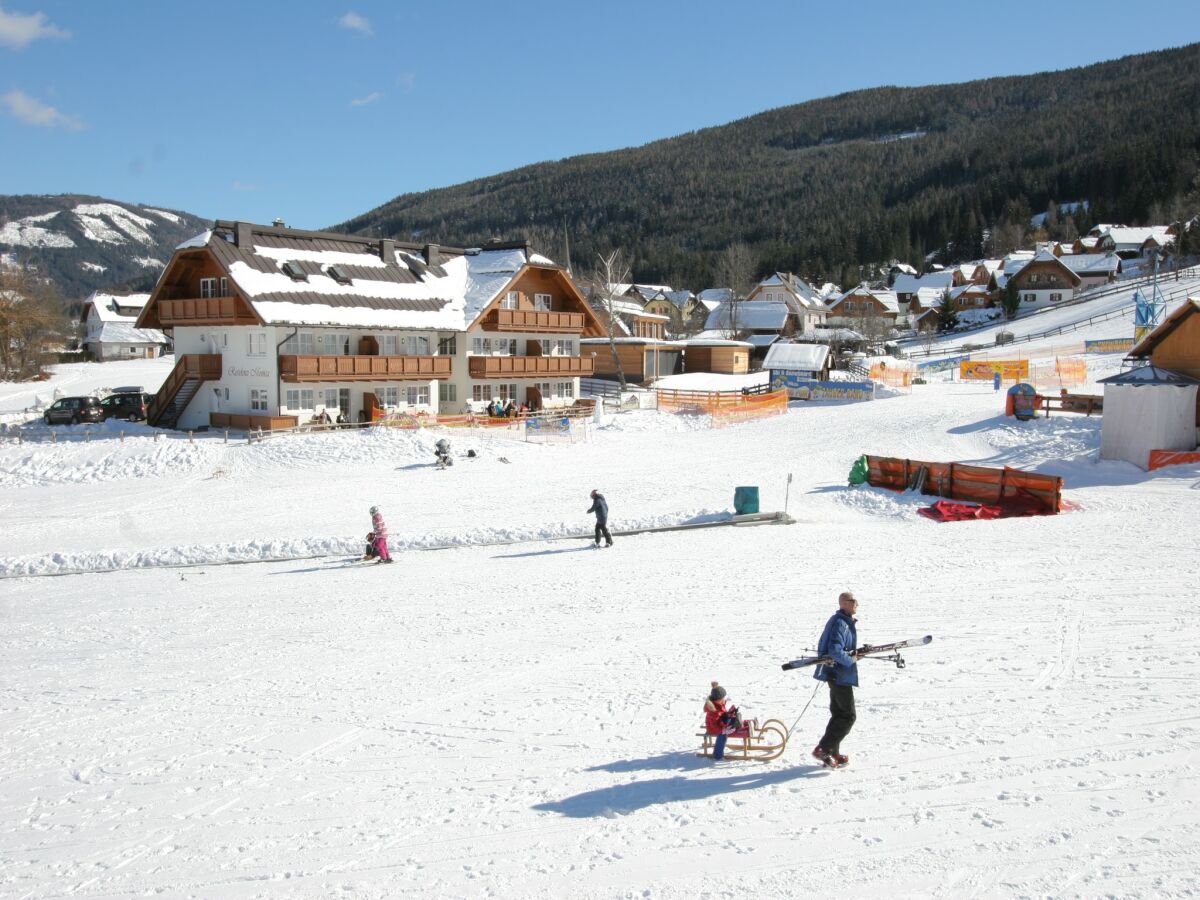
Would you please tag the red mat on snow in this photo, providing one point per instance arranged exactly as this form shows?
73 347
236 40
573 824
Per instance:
955 511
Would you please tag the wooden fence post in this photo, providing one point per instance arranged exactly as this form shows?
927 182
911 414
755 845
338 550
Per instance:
87 436
227 435
190 441
121 435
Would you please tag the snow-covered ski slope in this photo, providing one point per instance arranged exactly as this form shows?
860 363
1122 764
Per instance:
1108 315
519 720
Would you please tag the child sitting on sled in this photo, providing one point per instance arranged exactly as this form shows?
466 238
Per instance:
720 719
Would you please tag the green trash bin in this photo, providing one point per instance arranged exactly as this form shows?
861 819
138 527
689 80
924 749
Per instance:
745 500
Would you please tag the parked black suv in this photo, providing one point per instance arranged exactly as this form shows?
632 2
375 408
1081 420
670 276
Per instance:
130 406
73 410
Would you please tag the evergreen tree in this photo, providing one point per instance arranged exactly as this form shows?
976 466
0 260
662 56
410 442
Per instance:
947 317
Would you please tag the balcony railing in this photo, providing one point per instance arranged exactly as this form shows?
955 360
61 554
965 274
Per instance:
533 320
528 366
363 368
202 311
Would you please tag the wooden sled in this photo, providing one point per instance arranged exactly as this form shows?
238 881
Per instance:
753 741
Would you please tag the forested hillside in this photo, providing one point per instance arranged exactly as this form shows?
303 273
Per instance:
826 186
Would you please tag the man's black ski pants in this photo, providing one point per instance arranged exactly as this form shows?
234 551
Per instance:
841 717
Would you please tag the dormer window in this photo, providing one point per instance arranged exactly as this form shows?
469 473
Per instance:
293 271
338 274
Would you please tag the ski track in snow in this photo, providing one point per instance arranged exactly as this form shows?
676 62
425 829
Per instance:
518 720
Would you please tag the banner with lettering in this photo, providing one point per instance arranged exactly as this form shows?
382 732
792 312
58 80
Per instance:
985 370
800 388
1108 345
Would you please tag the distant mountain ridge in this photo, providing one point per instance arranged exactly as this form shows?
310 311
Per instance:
86 243
826 186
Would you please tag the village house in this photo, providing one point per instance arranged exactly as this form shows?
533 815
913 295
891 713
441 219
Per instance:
1134 243
906 286
804 303
111 332
861 304
273 326
1093 269
1045 280
674 305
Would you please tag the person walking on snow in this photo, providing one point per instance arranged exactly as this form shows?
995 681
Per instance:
839 641
379 529
600 508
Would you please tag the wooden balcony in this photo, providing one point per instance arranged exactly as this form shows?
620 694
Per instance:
203 311
529 366
294 369
533 321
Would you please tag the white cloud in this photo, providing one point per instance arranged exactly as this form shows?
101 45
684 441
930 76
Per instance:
370 98
18 31
31 111
354 22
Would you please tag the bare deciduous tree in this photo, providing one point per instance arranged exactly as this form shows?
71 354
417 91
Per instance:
610 270
31 317
735 270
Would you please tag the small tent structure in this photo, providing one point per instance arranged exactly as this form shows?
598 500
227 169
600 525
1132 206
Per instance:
1147 408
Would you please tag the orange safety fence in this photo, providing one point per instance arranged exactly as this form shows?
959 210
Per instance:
1059 373
1160 458
959 481
754 406
894 376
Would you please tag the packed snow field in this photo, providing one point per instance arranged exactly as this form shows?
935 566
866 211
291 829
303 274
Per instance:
520 719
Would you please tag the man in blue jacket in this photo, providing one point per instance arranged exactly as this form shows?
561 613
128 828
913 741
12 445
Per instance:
839 641
600 508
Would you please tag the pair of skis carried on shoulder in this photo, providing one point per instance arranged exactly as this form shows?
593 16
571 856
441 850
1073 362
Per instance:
889 652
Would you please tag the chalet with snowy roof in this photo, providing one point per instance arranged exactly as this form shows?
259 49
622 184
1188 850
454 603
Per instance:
274 325
672 305
1093 269
1045 280
860 303
706 301
112 332
803 301
1131 243
906 286
970 296
759 322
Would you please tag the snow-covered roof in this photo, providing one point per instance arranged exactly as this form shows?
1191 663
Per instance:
1132 238
108 307
957 292
828 335
796 357
1091 263
124 333
762 340
750 314
383 284
700 341
904 269
910 284
887 298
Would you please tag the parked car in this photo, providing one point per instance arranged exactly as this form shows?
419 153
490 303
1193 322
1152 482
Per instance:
127 406
73 410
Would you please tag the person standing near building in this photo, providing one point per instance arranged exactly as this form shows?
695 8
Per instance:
600 508
839 641
379 529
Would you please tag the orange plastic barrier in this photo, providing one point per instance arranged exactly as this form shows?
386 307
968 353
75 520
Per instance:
893 376
1160 458
985 370
751 407
959 481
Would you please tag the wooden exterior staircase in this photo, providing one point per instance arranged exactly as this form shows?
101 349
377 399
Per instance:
190 372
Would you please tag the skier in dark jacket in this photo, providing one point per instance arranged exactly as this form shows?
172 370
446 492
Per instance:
600 508
839 641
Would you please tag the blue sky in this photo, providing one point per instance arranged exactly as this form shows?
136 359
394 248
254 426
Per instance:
318 111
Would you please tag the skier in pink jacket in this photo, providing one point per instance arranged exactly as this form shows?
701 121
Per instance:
380 530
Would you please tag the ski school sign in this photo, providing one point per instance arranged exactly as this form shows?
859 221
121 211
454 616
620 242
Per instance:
801 388
1008 370
1108 345
942 365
